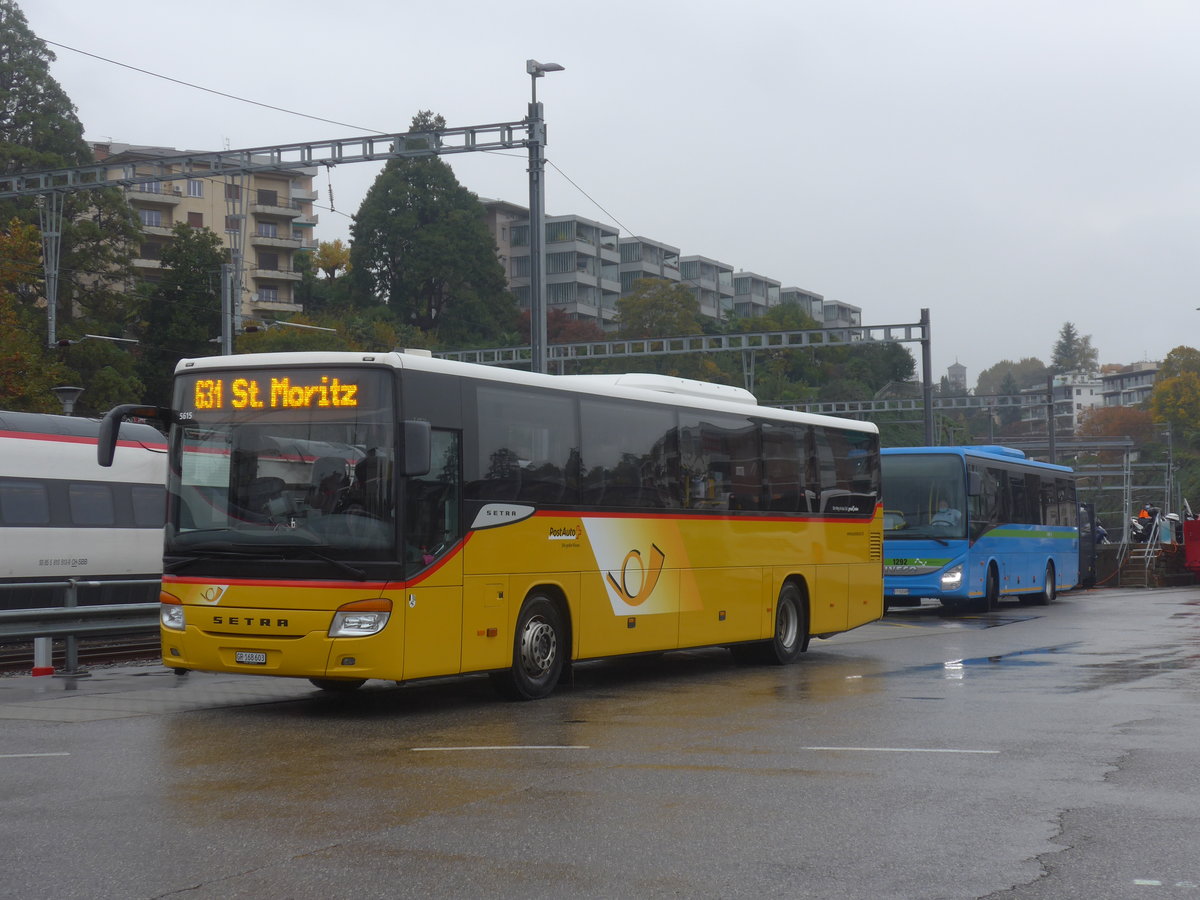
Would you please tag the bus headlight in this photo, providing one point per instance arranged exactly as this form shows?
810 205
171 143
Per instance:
360 618
170 612
952 578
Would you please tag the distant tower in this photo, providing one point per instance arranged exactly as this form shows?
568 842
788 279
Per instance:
957 376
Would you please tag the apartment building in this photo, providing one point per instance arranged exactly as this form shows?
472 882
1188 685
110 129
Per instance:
589 266
1072 394
1130 387
582 261
267 217
841 315
811 304
711 282
644 258
754 294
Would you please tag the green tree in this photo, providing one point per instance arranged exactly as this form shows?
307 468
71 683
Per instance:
1073 352
420 246
1181 359
183 311
40 130
26 372
1029 372
1009 387
657 308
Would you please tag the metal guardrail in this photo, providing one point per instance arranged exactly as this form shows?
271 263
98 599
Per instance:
70 621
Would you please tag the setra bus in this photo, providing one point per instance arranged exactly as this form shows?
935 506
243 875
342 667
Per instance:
348 516
62 516
971 525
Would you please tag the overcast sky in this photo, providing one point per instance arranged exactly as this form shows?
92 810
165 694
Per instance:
1010 165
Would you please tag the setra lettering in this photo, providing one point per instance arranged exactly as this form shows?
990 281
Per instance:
249 621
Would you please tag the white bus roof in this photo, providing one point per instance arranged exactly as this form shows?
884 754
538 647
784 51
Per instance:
643 386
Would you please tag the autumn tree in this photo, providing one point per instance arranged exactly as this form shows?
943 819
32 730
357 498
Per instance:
562 329
1177 401
420 247
1181 359
332 258
1118 421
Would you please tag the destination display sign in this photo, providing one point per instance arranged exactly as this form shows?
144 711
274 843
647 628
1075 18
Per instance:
285 390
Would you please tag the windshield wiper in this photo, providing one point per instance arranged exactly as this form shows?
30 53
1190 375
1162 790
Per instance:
350 570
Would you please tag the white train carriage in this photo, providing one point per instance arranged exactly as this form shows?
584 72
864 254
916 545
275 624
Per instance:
62 515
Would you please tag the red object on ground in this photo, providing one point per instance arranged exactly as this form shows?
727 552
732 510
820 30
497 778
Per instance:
1191 545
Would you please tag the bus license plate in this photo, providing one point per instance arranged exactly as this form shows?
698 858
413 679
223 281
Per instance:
250 658
900 592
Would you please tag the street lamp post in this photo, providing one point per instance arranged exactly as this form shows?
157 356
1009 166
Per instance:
537 218
67 396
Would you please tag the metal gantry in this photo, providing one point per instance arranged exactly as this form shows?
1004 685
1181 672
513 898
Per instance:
51 185
748 344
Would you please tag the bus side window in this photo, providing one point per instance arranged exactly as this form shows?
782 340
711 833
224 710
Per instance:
985 506
431 516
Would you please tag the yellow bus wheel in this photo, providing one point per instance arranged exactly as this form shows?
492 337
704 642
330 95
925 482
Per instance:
791 627
539 652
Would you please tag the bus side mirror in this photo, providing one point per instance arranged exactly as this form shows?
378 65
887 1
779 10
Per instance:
974 484
110 427
417 437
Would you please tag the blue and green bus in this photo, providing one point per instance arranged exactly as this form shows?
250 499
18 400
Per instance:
971 525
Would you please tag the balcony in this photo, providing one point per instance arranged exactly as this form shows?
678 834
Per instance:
267 240
276 305
274 274
161 194
288 209
141 263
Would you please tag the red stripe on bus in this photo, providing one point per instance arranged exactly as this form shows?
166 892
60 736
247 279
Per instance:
73 439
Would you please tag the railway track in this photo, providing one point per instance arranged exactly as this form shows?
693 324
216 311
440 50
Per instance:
16 658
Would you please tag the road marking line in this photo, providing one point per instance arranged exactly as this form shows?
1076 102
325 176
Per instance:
29 755
507 747
902 749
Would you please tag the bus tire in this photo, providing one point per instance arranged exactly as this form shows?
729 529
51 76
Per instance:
1049 587
791 627
991 590
791 633
539 652
338 685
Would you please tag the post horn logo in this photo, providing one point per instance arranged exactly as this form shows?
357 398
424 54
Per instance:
213 593
647 576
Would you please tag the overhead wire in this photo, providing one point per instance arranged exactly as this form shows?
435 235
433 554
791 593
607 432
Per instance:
330 208
212 90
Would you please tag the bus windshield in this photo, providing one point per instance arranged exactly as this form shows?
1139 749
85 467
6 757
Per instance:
259 462
923 497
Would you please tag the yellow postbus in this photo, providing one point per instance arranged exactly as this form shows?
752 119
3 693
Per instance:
347 516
